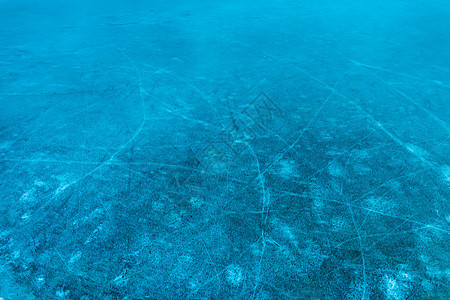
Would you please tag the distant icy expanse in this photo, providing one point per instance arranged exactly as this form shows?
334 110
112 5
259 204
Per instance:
224 149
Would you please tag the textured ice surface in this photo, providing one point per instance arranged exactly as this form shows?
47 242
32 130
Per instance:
224 149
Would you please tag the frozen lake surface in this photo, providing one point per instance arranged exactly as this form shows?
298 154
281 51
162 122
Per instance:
224 149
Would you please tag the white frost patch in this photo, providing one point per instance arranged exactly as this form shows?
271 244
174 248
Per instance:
40 281
75 257
39 183
446 173
287 232
94 234
97 212
397 287
392 288
65 180
32 194
287 168
196 201
234 275
380 204
338 223
416 150
336 170
28 196
62 293
318 207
